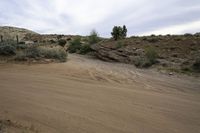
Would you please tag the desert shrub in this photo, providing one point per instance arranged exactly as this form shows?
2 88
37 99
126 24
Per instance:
188 35
21 46
75 45
53 53
119 45
148 60
85 49
7 50
142 62
20 56
177 39
52 41
144 38
93 37
196 65
8 42
45 52
152 39
151 54
62 42
197 34
21 42
33 52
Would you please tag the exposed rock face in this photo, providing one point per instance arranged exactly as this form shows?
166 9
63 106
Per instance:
177 52
10 33
125 54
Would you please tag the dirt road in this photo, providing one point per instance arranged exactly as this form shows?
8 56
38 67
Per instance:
90 96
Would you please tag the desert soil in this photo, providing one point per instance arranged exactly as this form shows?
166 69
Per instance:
85 95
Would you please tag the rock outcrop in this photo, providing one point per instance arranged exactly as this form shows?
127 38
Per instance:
117 52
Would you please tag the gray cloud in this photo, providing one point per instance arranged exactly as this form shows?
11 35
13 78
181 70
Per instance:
79 17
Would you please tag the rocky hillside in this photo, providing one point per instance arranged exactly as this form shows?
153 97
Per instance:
11 32
179 53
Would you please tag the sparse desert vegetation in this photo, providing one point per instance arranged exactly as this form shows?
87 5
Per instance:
168 52
34 53
176 53
86 94
99 66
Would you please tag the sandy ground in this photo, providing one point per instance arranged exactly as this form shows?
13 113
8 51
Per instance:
90 96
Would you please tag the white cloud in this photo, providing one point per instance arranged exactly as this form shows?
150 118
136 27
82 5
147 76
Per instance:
80 16
177 29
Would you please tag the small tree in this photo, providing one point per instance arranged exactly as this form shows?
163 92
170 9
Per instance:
93 37
124 31
119 32
116 32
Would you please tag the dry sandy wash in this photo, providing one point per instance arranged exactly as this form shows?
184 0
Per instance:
85 95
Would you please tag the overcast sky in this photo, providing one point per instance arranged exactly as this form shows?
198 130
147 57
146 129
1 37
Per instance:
141 17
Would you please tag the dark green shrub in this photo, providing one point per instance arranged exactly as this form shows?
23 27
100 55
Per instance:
75 45
188 35
21 42
52 41
151 55
45 52
196 65
119 45
85 49
7 50
197 34
148 60
62 42
54 53
93 37
8 42
33 52
152 39
142 62
21 46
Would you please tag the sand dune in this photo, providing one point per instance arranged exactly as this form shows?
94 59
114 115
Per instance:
85 95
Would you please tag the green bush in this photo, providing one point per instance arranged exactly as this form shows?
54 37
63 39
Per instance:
196 65
142 62
93 37
85 49
152 39
119 45
7 50
188 35
33 52
52 53
62 42
21 56
8 42
45 52
148 60
151 55
21 46
75 45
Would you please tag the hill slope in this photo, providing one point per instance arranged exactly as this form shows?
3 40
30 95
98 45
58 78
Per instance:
177 52
11 32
